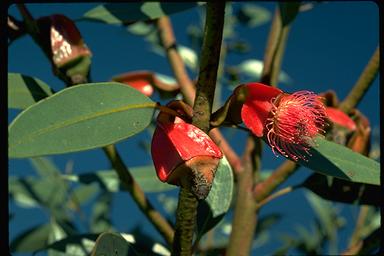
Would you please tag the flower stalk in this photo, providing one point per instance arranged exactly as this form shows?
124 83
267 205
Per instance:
363 83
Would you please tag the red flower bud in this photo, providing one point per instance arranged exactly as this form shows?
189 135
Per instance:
288 121
66 41
184 155
339 117
141 81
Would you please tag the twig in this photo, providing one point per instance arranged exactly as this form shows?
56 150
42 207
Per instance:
202 108
274 195
187 87
138 195
274 51
363 83
245 215
281 174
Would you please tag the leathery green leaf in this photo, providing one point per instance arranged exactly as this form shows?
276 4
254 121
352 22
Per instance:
24 91
338 161
121 13
79 118
108 180
213 208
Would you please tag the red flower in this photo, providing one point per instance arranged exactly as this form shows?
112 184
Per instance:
288 121
181 150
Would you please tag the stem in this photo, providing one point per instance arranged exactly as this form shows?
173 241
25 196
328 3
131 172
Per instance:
187 204
356 236
363 83
274 51
33 30
210 57
185 222
187 87
245 215
138 195
169 43
275 195
281 174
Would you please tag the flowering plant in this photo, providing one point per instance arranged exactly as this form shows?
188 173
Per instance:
199 157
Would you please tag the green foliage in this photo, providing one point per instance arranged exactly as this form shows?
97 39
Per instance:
251 70
253 15
110 242
32 239
214 207
94 115
24 91
338 161
338 190
108 180
122 13
79 118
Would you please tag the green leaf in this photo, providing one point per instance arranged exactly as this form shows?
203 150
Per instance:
100 218
45 167
107 243
343 191
122 13
328 219
79 118
31 240
36 192
108 180
24 91
19 192
253 68
253 15
79 245
338 161
83 193
213 208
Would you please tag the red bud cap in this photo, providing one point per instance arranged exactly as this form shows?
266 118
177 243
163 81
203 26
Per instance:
184 155
66 41
339 117
141 81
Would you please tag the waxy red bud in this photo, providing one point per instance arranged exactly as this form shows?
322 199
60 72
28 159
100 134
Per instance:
141 81
184 155
339 117
66 41
69 54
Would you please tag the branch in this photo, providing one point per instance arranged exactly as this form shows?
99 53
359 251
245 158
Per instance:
187 87
363 83
281 174
275 195
210 57
202 108
274 51
245 214
138 195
